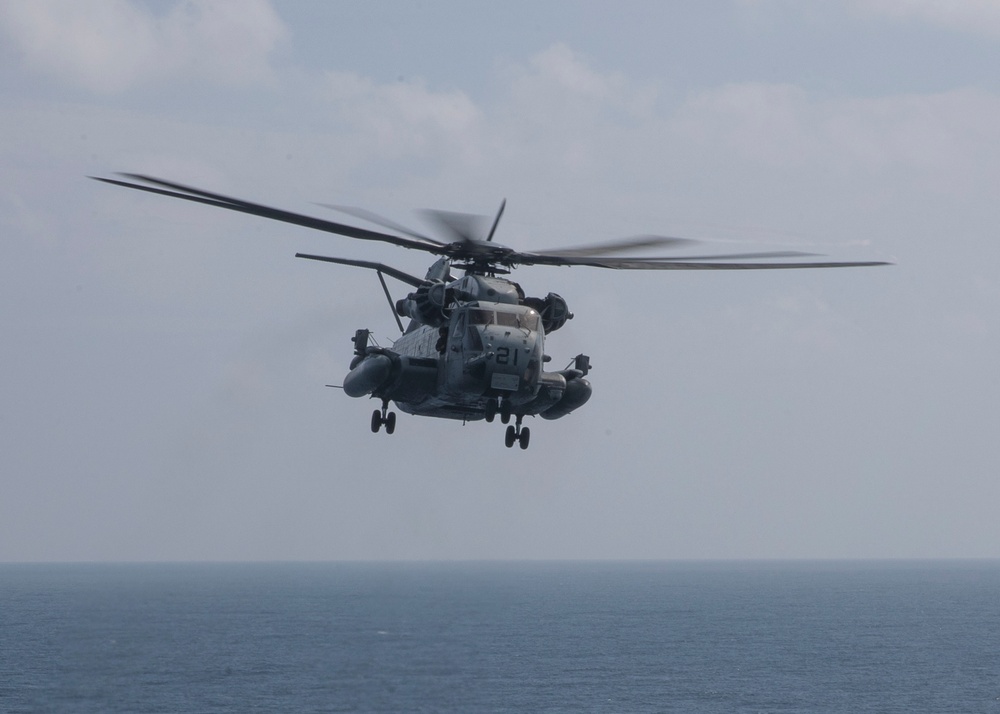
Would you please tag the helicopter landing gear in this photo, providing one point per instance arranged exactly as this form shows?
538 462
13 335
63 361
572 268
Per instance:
505 414
517 433
497 405
383 417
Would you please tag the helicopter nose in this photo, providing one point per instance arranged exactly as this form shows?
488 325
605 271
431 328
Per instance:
512 367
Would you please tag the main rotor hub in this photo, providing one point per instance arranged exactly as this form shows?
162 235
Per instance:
479 252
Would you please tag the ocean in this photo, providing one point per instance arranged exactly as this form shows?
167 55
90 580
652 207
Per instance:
501 637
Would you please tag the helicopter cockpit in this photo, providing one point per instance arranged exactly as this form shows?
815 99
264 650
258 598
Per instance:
522 319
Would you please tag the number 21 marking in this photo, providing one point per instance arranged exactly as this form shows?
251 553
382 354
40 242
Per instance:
503 356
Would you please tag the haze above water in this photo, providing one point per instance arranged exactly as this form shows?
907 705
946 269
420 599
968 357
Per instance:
161 390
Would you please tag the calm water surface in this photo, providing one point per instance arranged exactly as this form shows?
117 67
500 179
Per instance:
501 637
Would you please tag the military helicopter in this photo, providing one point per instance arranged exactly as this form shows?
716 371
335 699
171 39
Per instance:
474 347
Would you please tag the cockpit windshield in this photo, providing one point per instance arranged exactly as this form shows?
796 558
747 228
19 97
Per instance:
527 320
482 317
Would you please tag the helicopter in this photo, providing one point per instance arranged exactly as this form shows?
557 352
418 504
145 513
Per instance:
474 346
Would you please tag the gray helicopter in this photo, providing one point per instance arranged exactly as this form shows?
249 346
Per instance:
474 347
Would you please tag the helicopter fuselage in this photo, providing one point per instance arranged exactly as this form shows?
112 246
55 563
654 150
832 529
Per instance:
485 356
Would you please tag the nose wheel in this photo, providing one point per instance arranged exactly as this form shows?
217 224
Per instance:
383 417
495 406
517 434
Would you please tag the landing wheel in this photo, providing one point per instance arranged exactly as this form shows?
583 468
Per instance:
383 417
515 433
491 410
505 412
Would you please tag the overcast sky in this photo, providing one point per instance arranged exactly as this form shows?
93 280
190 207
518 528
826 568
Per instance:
163 364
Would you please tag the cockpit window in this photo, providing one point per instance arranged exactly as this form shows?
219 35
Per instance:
527 320
508 319
481 317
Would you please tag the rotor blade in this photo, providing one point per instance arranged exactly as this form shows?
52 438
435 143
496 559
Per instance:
464 227
197 195
616 246
496 221
378 220
655 264
737 256
380 267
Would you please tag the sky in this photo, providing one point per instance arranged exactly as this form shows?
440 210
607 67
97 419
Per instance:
163 364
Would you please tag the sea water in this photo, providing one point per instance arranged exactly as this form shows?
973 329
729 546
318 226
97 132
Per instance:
501 637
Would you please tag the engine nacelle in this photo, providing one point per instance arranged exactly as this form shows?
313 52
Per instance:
577 393
552 308
367 375
392 376
429 304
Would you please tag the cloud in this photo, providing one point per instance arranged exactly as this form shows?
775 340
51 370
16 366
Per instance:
110 46
401 118
567 74
782 125
771 147
557 103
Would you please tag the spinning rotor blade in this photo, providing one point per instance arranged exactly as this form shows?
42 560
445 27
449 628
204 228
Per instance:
584 256
739 256
462 227
616 246
378 220
478 255
197 195
699 264
496 221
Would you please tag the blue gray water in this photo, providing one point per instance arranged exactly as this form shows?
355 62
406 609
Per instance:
507 637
